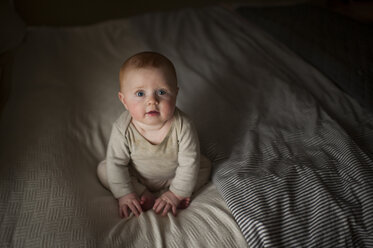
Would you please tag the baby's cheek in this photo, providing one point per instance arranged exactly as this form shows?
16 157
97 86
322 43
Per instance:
136 112
137 115
169 108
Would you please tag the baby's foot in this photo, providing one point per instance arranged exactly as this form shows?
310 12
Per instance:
147 200
184 203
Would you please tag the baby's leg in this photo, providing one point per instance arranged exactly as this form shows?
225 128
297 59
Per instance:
147 200
102 174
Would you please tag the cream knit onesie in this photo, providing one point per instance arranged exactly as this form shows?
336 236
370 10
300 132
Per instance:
133 163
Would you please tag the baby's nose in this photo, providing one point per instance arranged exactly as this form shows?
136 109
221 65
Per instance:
152 99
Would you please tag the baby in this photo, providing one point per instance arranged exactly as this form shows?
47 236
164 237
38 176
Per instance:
153 146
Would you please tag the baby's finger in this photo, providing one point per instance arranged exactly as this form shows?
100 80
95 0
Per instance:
160 206
134 210
174 209
138 206
166 209
157 201
124 210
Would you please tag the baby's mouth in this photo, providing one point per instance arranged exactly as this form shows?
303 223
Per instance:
152 113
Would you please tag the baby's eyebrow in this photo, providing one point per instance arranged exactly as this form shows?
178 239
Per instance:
138 88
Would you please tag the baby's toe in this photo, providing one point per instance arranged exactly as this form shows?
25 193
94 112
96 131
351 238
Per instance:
184 203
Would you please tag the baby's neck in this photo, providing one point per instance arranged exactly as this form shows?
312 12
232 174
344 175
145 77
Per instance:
155 134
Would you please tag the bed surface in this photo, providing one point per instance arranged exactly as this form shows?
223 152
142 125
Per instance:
54 131
292 153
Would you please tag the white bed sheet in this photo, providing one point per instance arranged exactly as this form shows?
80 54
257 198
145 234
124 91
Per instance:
54 131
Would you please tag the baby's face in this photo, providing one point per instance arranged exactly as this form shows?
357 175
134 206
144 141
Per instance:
149 94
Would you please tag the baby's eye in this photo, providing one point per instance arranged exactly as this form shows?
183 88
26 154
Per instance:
161 92
140 93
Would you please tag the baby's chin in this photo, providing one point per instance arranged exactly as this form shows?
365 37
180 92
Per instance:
151 120
154 121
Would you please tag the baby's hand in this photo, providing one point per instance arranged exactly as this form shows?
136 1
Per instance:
130 201
166 202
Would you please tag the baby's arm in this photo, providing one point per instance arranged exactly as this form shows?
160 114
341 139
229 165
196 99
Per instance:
119 180
186 173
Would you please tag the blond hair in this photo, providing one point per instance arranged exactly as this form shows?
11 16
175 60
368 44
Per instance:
148 60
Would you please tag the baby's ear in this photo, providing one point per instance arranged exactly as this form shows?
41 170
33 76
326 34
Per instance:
121 98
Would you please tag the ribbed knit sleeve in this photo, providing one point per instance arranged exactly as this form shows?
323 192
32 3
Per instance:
117 159
188 157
